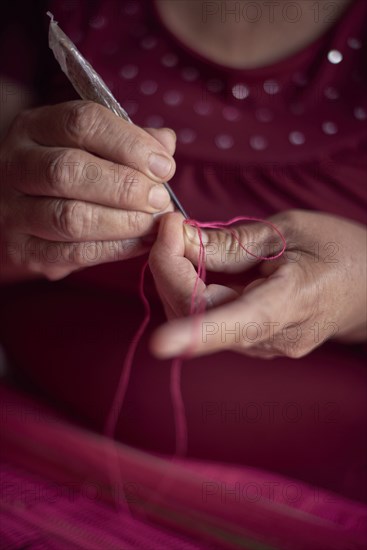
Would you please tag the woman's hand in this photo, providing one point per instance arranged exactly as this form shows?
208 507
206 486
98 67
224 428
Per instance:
316 291
79 186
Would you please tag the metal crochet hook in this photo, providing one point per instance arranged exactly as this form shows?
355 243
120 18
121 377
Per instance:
88 83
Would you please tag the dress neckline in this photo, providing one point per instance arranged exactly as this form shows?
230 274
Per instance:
284 65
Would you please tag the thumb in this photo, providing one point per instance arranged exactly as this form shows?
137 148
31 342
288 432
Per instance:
232 247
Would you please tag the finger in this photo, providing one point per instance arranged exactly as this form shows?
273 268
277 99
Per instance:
87 125
174 275
239 324
56 260
76 174
216 295
72 220
235 248
165 136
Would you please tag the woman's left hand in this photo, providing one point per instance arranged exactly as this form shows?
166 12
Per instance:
314 292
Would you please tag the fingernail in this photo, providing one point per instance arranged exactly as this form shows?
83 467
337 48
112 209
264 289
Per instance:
159 165
192 234
158 197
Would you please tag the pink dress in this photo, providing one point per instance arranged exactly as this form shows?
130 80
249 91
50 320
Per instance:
250 142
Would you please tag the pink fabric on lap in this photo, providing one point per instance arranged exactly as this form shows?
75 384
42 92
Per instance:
230 506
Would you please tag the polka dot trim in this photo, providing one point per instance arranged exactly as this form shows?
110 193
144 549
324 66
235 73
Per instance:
231 114
98 22
297 138
331 93
354 43
186 136
154 121
148 87
335 57
360 113
173 98
169 60
224 141
271 87
129 72
329 128
240 91
203 108
258 143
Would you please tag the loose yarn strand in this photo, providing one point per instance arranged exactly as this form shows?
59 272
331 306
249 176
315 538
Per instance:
197 309
114 471
122 384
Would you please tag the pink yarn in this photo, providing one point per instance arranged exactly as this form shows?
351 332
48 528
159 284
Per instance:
197 309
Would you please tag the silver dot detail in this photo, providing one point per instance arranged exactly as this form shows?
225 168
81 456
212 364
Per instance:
203 108
224 141
354 43
129 72
335 56
98 22
154 121
331 93
360 113
169 60
271 87
186 136
329 128
173 98
148 87
297 138
231 114
258 143
240 91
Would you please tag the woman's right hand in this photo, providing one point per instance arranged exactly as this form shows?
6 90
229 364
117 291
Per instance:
79 187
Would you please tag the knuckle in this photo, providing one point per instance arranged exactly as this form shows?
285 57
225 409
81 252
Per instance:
71 219
131 143
136 223
82 118
128 189
58 169
288 223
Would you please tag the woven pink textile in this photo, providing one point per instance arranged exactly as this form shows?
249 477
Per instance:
71 499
